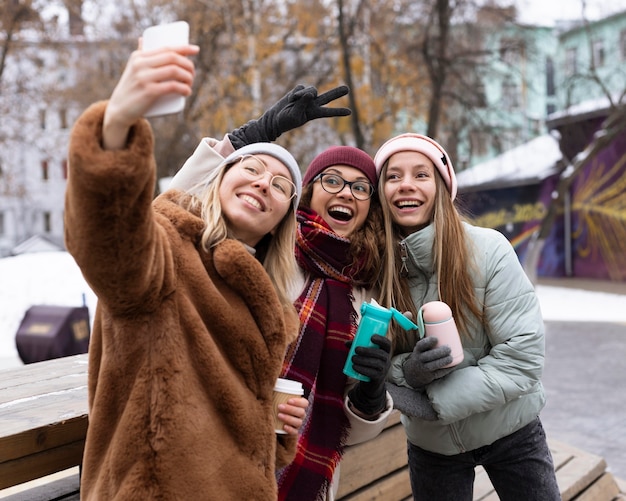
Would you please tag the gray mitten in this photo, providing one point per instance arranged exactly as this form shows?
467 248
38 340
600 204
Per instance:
412 402
299 106
426 363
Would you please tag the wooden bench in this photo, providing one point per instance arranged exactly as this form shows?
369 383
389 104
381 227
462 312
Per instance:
377 470
43 418
43 422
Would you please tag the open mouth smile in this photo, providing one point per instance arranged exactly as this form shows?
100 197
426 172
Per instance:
408 204
340 213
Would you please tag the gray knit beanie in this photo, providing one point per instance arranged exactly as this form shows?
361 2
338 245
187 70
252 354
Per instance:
279 153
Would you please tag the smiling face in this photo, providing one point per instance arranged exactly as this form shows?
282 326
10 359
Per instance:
343 213
409 188
248 206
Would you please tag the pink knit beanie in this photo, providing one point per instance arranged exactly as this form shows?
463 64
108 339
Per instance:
342 155
421 144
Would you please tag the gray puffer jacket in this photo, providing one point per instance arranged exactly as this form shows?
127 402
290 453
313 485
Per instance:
496 390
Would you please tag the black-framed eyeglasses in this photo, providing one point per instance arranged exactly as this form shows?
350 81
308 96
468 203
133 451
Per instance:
333 183
281 188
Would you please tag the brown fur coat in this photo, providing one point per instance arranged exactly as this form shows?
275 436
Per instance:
186 345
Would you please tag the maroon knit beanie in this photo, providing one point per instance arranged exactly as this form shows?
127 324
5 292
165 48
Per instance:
342 155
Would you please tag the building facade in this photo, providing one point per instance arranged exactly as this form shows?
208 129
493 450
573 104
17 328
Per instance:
574 201
34 133
529 76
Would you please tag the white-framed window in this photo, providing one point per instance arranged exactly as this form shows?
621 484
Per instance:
2 230
622 44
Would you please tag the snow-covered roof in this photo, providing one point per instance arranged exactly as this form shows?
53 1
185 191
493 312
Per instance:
528 163
598 107
36 243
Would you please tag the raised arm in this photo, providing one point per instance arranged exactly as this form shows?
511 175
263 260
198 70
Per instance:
148 75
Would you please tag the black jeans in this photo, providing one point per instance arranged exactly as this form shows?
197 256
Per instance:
519 466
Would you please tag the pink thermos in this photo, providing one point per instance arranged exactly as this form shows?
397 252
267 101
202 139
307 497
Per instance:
435 319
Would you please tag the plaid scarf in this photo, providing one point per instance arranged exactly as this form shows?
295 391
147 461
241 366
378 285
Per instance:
317 357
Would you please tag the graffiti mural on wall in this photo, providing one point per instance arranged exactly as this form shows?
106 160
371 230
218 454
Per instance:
599 215
517 212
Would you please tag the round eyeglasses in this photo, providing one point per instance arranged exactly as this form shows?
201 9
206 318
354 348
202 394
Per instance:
333 183
254 169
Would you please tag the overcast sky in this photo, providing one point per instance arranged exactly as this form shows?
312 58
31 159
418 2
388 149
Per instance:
546 12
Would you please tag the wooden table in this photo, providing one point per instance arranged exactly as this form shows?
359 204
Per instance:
43 418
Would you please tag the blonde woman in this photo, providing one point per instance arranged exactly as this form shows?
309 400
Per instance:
337 249
193 314
485 410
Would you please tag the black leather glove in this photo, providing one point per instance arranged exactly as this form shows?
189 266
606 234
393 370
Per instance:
369 397
426 363
412 402
300 105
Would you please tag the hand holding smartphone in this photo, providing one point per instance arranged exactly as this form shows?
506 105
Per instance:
166 35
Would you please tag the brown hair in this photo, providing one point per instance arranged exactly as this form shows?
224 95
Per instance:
365 243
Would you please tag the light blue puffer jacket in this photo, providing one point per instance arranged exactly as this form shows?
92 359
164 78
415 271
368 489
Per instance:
496 390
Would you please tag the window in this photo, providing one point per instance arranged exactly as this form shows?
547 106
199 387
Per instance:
571 63
536 126
42 119
44 170
622 44
63 118
510 95
598 53
478 142
481 95
64 168
550 86
511 50
47 222
1 223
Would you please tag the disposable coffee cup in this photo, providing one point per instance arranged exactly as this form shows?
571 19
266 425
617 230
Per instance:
284 389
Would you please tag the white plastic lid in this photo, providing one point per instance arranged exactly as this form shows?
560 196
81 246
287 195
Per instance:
288 386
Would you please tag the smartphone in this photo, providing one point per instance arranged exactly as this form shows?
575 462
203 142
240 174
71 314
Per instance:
166 35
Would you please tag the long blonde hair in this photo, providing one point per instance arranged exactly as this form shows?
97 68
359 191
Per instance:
274 251
452 261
